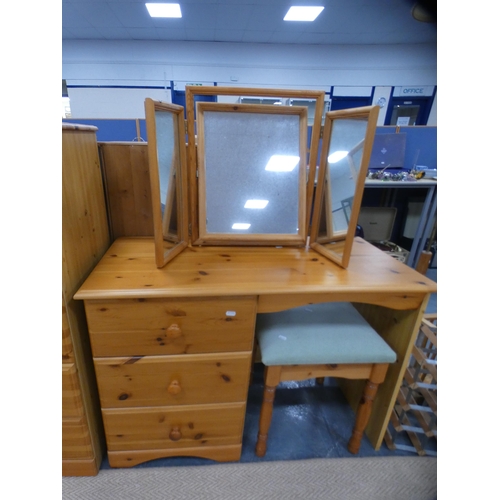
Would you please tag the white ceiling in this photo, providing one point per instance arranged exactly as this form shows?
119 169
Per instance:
249 21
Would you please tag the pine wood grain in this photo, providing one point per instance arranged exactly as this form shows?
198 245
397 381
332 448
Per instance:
305 372
128 188
227 453
76 439
389 294
174 326
85 238
173 380
128 271
399 330
67 346
152 428
82 467
72 402
84 222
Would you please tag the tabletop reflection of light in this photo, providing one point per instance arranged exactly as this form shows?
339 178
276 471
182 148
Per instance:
282 163
240 225
256 203
337 156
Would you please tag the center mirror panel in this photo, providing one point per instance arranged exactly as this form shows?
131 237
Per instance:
251 174
167 166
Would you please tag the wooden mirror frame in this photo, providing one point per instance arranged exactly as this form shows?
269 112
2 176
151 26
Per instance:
337 247
241 113
195 90
168 245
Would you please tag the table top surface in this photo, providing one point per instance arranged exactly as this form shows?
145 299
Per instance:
128 270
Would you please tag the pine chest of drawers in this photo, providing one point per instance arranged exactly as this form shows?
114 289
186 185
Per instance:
172 375
85 239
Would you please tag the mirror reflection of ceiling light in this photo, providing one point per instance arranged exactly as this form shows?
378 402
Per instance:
282 163
240 225
302 13
256 203
164 9
337 156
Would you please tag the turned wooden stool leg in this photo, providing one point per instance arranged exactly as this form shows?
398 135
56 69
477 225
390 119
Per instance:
271 380
363 413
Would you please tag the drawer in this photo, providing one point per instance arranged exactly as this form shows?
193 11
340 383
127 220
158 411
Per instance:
173 380
76 441
138 327
174 428
72 405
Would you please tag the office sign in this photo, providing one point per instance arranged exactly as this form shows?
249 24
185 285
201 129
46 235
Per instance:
421 91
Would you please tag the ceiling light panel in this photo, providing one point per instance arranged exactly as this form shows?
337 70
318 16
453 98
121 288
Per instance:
303 13
164 9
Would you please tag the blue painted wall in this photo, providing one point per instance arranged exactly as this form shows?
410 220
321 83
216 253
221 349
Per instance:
421 142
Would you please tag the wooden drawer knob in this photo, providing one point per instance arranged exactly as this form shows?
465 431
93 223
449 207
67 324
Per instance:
174 331
174 387
175 434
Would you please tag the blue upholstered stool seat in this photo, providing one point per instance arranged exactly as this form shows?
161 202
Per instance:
329 333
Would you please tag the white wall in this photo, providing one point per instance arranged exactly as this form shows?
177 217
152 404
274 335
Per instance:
113 103
155 64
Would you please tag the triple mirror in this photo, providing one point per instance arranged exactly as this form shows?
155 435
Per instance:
258 132
167 172
347 144
247 175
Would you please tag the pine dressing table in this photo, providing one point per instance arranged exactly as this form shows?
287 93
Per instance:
172 347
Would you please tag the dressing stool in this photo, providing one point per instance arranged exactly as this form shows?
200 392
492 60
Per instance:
314 341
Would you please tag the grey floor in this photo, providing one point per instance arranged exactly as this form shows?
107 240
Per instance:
309 421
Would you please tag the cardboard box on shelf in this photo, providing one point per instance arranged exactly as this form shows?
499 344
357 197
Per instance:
377 224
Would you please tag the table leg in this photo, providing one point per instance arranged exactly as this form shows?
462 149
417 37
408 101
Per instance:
399 329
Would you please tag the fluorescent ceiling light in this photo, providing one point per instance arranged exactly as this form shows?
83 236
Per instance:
256 203
282 163
164 9
240 225
337 156
302 13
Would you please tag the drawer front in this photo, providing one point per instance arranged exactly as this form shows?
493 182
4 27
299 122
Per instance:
76 441
138 327
173 380
72 405
174 428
